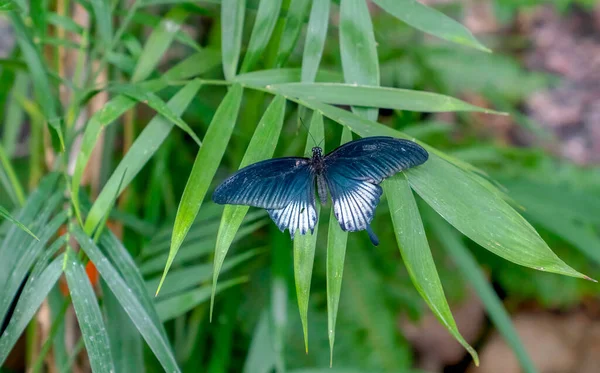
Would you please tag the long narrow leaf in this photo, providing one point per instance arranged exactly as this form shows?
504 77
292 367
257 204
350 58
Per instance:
143 148
262 146
266 18
304 245
430 21
416 254
336 253
470 270
476 209
102 13
383 97
34 293
89 316
6 214
144 322
294 21
316 34
39 75
158 42
358 48
206 164
232 25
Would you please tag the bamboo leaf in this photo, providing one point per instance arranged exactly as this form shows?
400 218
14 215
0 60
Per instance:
232 25
88 313
287 75
34 293
143 148
261 147
294 21
495 310
304 245
316 34
102 13
475 208
158 42
195 65
416 254
266 18
6 214
383 97
358 49
145 322
430 21
336 253
142 95
206 164
39 76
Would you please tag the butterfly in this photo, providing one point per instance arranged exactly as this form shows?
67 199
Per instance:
285 187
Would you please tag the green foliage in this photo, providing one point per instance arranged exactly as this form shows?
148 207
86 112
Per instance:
173 243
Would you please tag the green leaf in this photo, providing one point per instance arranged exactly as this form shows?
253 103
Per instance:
206 164
180 304
34 293
416 254
304 245
103 14
358 49
39 76
143 148
430 21
266 18
483 216
195 65
316 34
294 21
336 253
158 42
126 343
383 97
261 356
261 147
5 214
89 316
288 75
110 112
142 95
150 328
471 271
463 198
232 25
13 120
8 5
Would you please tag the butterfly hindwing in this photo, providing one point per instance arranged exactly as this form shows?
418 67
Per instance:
269 184
300 213
354 171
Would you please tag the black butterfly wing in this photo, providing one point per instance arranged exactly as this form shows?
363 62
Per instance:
354 171
283 186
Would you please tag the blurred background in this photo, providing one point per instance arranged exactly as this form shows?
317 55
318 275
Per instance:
544 71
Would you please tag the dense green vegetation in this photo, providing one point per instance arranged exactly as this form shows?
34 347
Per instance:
174 96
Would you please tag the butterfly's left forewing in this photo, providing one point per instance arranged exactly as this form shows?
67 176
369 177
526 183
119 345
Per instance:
283 186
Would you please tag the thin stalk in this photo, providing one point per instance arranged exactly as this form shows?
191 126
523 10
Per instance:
14 180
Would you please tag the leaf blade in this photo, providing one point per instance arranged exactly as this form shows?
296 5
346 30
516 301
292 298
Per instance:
291 30
232 25
416 254
358 48
206 163
316 34
262 146
266 18
430 21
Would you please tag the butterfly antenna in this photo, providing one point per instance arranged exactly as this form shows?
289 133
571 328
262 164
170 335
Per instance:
307 130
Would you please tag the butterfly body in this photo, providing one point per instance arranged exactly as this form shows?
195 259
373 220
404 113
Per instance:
351 174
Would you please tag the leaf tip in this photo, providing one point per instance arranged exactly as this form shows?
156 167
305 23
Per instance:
590 279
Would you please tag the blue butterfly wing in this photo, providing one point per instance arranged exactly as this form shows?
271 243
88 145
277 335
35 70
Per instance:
354 171
283 186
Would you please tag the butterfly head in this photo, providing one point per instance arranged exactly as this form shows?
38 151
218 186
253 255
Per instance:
317 152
